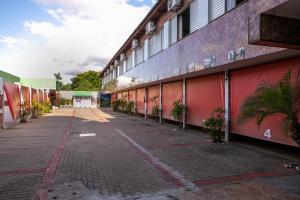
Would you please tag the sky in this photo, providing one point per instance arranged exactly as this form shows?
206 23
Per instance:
41 37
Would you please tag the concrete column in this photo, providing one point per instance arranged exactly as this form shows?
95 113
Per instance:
145 101
160 103
227 105
135 102
1 103
30 96
184 102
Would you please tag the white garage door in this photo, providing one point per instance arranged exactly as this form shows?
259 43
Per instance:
82 102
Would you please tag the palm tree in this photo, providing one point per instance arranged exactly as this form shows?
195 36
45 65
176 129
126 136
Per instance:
282 97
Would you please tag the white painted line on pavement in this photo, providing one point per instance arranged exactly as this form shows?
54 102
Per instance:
87 134
177 176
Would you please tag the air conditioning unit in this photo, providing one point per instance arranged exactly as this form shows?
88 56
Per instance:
150 28
174 5
116 62
122 56
134 44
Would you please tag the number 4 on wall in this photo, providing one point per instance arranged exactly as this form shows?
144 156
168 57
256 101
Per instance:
267 134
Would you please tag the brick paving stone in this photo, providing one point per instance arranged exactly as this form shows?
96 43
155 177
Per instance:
107 166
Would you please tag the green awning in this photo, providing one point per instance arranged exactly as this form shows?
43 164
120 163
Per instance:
82 94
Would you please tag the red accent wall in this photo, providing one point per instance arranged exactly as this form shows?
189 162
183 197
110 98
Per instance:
203 95
244 82
153 91
140 100
26 96
170 93
13 99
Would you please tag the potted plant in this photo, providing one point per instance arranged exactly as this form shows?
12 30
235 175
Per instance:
129 107
116 105
155 110
215 125
177 112
24 113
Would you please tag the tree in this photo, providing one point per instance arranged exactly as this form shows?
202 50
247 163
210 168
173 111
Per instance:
67 86
282 97
89 81
58 78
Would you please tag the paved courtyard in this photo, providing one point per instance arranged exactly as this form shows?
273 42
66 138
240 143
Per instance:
93 154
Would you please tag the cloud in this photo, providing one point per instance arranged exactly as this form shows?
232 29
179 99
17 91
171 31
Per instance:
11 42
83 36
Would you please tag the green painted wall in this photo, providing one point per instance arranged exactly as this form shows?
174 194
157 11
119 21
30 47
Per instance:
9 77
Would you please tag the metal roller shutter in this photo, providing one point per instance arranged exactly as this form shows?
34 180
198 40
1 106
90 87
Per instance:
140 95
216 9
203 95
243 83
171 92
153 92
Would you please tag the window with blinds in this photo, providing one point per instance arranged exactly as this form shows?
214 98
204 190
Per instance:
140 55
173 30
216 9
155 43
194 16
165 35
129 62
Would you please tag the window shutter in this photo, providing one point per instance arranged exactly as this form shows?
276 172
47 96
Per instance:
173 30
140 55
155 43
146 49
194 17
129 62
165 35
216 8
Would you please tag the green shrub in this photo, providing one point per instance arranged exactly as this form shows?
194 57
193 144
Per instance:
177 112
129 107
123 105
215 124
36 110
24 114
46 107
116 105
155 110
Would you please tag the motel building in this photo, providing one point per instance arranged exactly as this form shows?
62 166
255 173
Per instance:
208 54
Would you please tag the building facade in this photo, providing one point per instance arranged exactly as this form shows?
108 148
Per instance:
208 54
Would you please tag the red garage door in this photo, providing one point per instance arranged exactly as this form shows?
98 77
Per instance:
171 92
203 95
153 95
26 97
131 95
243 83
34 95
140 107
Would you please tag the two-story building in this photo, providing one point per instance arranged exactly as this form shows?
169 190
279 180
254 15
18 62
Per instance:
208 54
